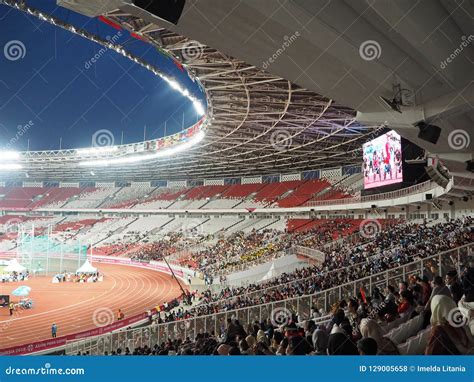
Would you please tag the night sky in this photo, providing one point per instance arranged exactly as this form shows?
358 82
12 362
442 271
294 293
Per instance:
55 85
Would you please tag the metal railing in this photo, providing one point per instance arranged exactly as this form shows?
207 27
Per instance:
417 188
433 265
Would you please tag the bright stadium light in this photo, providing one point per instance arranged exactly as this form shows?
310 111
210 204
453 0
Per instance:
9 155
10 166
96 150
199 108
140 158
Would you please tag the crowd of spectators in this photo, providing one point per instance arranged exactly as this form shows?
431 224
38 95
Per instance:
358 326
392 247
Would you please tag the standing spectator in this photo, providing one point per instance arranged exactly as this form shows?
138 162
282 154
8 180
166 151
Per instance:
54 330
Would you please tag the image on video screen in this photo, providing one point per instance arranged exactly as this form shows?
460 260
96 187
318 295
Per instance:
383 161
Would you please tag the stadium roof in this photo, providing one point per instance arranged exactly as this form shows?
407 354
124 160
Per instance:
261 123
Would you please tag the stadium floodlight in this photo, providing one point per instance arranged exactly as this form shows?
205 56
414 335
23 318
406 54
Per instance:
199 108
10 166
9 155
96 150
147 157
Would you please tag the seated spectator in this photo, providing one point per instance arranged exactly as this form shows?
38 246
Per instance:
405 305
439 288
320 342
371 329
446 338
341 344
367 346
454 286
297 345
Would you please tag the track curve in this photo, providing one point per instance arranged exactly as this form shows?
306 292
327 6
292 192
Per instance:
76 307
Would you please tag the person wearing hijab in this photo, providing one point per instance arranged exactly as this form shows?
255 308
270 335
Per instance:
261 337
340 344
251 341
369 328
448 336
320 342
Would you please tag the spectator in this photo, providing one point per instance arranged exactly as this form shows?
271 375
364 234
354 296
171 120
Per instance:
405 307
320 342
367 346
371 329
445 338
454 286
340 344
439 288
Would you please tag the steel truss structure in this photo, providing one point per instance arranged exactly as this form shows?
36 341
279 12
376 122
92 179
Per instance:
261 124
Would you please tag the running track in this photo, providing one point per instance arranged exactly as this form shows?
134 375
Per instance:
75 307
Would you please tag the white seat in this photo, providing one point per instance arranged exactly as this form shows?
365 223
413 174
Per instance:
417 344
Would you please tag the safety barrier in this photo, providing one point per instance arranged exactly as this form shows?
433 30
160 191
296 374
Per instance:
278 312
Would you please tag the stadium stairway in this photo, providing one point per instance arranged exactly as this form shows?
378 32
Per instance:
115 232
269 224
109 197
229 228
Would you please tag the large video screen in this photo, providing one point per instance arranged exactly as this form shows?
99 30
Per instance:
383 161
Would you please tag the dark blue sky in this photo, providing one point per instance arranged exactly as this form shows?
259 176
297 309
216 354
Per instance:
52 86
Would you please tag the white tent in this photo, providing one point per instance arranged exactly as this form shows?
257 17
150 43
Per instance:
87 268
14 266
